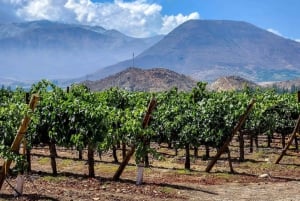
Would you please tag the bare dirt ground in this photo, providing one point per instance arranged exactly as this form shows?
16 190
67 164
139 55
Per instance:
164 180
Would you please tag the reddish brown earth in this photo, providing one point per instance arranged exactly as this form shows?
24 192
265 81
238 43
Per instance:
164 180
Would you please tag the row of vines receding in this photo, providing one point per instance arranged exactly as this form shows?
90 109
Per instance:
112 119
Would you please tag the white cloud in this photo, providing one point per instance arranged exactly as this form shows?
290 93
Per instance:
279 34
170 22
44 10
275 32
136 18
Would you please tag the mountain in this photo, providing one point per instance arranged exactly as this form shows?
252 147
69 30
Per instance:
208 49
231 83
13 84
283 86
135 79
44 49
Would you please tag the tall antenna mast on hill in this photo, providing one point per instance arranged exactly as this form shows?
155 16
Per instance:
133 59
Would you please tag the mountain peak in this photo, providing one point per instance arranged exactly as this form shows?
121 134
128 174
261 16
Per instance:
208 49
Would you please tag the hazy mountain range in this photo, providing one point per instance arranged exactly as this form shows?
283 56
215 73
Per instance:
44 49
201 49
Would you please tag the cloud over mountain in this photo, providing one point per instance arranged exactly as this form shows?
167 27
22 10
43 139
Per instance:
135 18
275 32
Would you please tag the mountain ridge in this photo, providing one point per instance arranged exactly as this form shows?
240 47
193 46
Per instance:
208 49
52 50
202 49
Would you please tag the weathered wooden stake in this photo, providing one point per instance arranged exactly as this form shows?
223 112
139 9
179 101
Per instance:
129 154
18 139
242 146
295 131
229 161
53 154
229 138
124 164
20 178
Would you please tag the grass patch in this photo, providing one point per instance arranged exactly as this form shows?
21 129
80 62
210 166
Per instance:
168 190
184 172
267 165
44 161
166 164
258 155
65 162
106 168
54 179
224 176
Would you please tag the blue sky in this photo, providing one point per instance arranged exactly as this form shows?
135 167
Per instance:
280 15
141 18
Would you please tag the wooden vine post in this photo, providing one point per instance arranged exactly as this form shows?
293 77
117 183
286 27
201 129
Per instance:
129 154
293 136
295 131
18 139
225 147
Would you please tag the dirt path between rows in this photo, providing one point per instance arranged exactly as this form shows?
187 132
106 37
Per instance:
92 190
165 180
283 191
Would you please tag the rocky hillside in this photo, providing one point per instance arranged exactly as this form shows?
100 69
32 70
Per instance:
135 79
231 83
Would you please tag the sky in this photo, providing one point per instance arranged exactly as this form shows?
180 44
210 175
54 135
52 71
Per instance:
144 18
